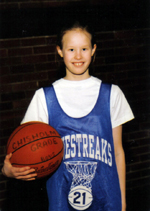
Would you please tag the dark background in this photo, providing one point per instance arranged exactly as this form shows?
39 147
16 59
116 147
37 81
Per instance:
26 22
123 32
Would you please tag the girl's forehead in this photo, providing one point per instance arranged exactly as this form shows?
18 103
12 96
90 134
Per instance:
76 35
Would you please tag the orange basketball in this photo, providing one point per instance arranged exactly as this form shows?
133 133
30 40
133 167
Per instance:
37 145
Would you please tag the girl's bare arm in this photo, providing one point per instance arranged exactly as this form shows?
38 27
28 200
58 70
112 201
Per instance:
120 162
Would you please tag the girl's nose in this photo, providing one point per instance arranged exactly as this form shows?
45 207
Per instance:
78 54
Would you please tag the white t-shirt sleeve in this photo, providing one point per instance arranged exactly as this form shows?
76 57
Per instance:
37 109
120 109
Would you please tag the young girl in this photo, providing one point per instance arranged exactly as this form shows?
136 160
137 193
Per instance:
88 115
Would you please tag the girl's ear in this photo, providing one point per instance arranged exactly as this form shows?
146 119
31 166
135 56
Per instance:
59 51
94 49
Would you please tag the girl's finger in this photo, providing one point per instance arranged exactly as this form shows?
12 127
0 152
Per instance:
27 177
23 171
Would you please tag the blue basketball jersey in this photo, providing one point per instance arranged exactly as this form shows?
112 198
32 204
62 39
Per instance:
87 178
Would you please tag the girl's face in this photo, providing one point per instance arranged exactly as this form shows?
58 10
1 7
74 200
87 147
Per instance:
77 52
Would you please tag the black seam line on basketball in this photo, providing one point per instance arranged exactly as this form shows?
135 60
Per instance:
34 141
21 129
39 162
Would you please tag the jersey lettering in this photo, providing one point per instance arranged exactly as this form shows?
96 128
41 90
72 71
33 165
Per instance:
104 156
87 146
73 146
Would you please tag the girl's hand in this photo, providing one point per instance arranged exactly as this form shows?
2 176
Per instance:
22 173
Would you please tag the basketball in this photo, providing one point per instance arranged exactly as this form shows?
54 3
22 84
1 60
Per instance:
37 145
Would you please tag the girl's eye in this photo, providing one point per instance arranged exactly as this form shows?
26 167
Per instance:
71 49
84 49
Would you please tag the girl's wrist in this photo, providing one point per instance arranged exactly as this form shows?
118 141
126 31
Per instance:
3 172
124 207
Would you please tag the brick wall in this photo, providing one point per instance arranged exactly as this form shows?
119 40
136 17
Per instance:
122 58
39 18
9 4
5 4
26 64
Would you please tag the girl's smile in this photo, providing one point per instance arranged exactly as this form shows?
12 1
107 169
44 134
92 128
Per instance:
78 64
77 53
